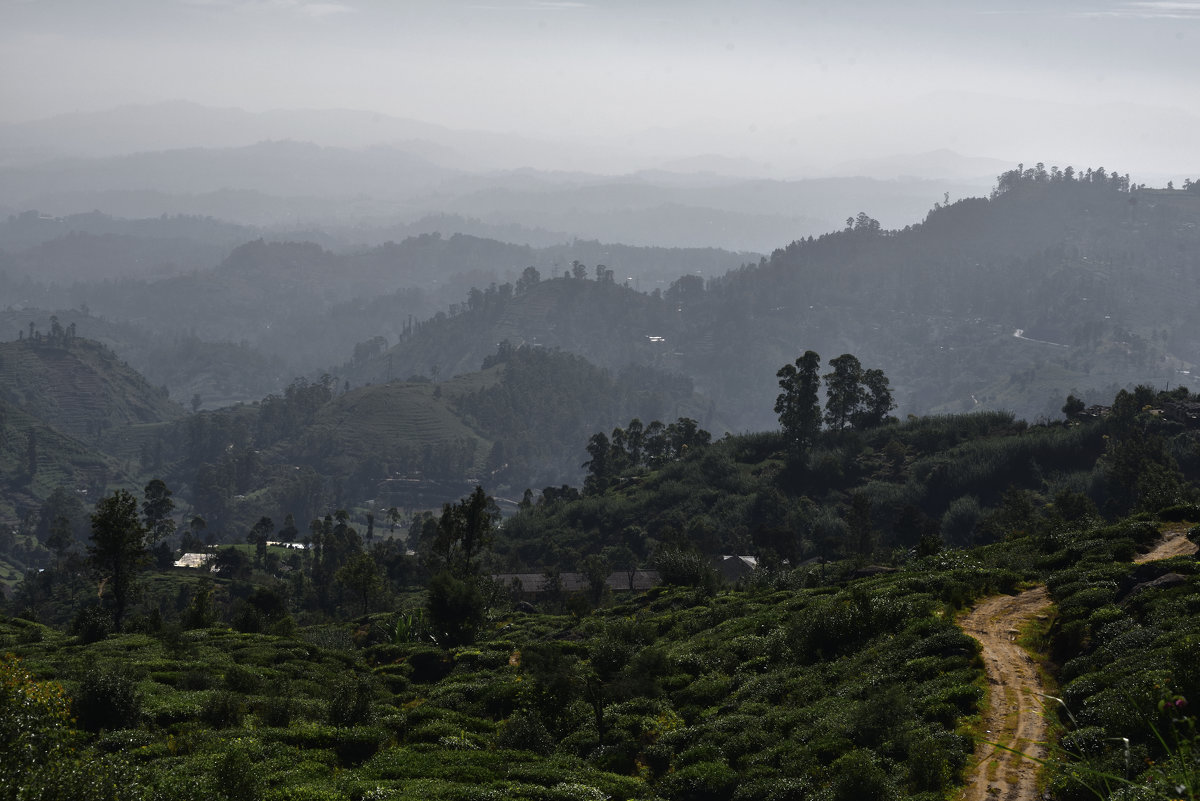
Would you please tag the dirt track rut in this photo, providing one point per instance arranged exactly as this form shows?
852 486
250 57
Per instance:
1014 716
1174 543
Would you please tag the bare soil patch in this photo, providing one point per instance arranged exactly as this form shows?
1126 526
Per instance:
1174 543
1014 718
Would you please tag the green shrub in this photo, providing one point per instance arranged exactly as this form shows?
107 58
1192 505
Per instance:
774 789
355 745
703 781
243 680
235 775
525 731
1179 513
223 709
92 624
857 776
277 710
108 698
195 680
351 702
685 568
429 664
246 618
456 610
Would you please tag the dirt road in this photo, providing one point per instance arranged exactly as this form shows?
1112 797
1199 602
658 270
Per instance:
1014 716
1173 543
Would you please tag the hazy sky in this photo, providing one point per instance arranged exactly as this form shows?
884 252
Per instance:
745 77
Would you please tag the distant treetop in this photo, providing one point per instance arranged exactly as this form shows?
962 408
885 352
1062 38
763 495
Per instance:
1038 174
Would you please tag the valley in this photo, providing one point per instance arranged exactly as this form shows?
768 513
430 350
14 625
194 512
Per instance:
564 423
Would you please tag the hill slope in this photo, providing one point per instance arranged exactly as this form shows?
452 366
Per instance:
78 386
1096 274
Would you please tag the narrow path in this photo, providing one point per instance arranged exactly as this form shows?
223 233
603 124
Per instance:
1174 543
1014 717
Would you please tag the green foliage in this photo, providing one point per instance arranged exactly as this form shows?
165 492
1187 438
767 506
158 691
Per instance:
223 709
351 702
92 624
118 550
684 568
456 609
108 698
859 775
235 776
798 405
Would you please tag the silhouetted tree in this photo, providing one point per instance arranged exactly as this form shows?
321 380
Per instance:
118 550
360 575
843 391
798 405
875 401
157 508
465 529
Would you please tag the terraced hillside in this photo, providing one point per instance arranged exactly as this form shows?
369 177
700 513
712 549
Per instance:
78 386
396 424
36 458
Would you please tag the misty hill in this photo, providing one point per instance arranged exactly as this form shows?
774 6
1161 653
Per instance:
220 372
521 421
30 228
1084 264
65 402
282 168
1087 269
272 310
181 125
608 323
83 257
37 458
76 416
273 180
78 386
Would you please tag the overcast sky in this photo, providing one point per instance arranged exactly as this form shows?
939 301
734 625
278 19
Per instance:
759 79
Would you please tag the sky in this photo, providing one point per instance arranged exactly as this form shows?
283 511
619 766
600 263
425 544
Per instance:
793 82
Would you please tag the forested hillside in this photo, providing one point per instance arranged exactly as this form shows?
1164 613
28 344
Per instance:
326 672
1083 276
77 420
77 385
1057 283
269 311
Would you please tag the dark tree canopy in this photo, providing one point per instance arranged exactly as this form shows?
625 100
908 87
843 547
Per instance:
464 529
118 550
798 405
157 509
843 391
875 401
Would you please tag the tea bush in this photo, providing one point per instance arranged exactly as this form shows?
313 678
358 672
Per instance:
107 698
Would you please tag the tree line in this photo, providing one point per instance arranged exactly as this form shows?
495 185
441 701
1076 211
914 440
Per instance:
855 398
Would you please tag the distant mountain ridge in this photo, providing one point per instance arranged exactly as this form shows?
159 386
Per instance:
346 168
